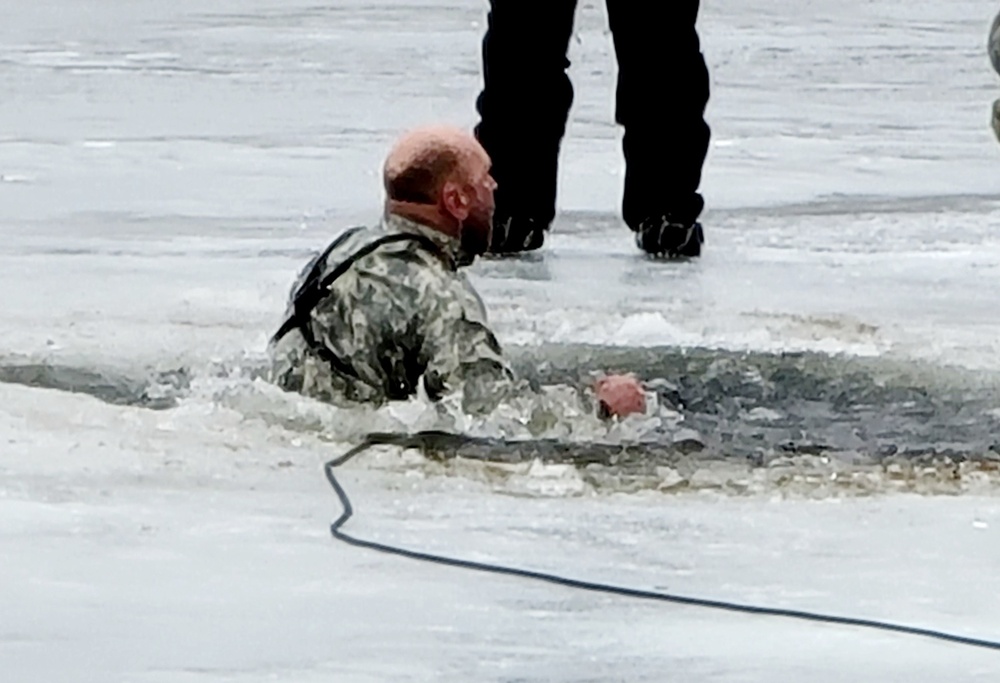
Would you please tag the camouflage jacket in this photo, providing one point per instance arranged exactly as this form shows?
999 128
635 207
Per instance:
382 310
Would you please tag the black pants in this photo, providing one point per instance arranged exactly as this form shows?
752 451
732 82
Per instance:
660 101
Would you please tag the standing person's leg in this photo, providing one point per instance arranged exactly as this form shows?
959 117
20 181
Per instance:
661 98
523 109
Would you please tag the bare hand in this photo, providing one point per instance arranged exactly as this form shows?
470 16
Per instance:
620 395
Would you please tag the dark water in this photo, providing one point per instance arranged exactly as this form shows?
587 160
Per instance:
157 391
759 405
753 407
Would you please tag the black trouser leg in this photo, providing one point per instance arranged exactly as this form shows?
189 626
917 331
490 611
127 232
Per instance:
525 102
661 98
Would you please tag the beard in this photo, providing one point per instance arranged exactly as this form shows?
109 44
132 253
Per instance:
477 229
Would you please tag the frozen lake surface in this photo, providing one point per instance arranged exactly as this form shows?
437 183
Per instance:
166 168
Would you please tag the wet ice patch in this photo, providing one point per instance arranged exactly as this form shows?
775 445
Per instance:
547 480
260 401
647 329
142 57
761 414
36 57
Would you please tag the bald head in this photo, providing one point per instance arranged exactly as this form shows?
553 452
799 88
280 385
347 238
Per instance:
424 159
439 176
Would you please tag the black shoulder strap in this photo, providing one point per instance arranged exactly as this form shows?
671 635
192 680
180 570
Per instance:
309 289
314 289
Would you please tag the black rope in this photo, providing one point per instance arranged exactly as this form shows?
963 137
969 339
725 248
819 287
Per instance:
416 440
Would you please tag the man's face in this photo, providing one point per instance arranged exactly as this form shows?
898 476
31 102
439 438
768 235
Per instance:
477 229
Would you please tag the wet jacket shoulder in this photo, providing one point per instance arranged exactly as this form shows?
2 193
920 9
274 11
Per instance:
394 310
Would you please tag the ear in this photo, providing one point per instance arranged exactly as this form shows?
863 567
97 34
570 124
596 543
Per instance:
456 201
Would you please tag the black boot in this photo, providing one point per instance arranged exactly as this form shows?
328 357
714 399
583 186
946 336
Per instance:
664 237
515 235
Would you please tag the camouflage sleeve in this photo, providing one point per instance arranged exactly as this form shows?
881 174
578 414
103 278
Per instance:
399 311
463 353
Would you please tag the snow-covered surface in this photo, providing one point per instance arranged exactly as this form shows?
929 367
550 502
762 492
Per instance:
141 546
165 168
